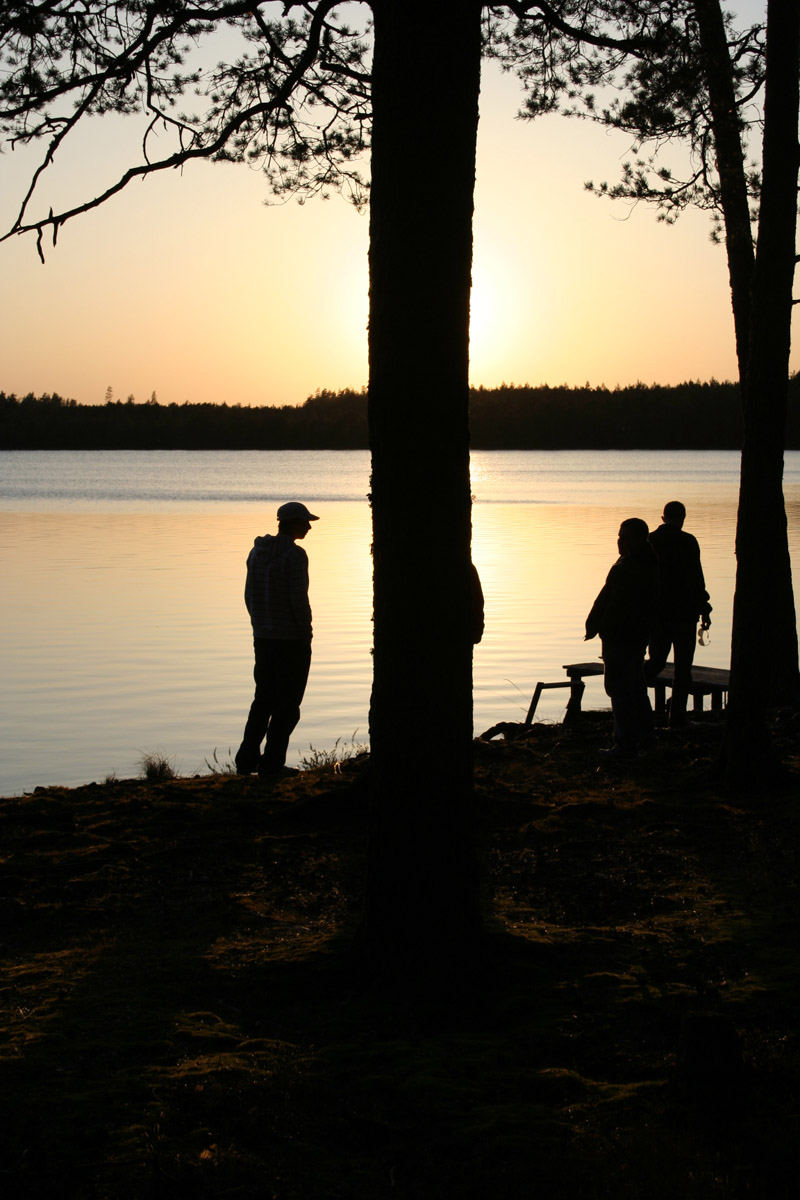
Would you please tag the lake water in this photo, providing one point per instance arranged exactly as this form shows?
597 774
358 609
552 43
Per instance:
123 625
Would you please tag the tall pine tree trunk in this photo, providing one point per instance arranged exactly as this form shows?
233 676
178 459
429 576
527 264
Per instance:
764 646
422 887
729 152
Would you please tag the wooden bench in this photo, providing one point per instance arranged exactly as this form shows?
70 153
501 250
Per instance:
706 681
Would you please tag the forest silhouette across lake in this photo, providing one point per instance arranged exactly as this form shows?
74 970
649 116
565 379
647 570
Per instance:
687 416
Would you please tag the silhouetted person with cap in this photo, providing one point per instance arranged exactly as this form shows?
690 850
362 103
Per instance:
683 601
276 595
623 615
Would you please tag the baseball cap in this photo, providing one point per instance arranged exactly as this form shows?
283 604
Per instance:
295 511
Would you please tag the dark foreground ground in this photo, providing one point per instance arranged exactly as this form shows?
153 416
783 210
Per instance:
181 1016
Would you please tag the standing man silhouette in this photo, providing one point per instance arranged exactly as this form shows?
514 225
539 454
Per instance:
276 595
683 601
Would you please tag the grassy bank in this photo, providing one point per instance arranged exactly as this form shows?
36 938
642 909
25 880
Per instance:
181 1015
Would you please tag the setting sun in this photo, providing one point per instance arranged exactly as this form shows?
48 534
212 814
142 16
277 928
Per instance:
495 325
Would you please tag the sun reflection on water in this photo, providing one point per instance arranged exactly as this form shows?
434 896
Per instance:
125 629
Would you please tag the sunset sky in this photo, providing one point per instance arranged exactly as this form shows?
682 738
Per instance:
189 286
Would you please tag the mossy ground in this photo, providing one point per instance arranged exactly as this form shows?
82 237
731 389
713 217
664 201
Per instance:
182 1014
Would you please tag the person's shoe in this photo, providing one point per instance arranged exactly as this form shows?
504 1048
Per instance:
275 772
246 763
617 755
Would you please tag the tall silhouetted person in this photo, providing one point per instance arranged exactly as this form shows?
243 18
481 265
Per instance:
624 615
683 601
276 595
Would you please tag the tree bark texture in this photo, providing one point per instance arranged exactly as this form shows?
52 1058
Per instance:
764 650
422 884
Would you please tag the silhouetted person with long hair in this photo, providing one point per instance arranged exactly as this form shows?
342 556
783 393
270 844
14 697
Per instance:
276 595
623 615
683 600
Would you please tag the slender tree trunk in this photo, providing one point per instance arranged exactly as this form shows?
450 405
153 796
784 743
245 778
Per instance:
422 886
764 646
718 72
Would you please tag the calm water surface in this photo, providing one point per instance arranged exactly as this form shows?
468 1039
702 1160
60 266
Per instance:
123 624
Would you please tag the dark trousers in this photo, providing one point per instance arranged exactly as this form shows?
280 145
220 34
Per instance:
623 678
281 673
679 637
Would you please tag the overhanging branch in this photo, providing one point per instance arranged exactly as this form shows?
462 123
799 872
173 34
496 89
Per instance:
579 34
144 46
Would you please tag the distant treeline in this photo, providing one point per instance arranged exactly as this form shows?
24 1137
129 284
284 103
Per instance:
690 416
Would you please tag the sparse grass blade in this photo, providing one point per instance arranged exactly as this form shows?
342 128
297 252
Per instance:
339 753
156 766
